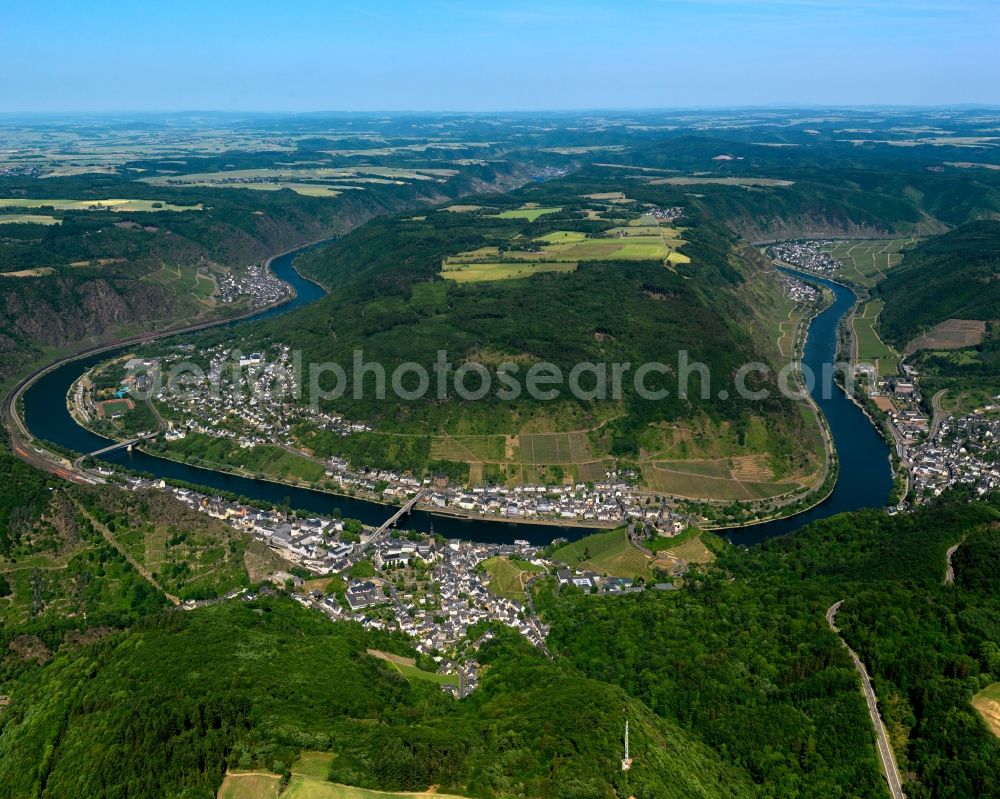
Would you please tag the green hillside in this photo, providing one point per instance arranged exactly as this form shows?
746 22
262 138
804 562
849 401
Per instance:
952 276
633 292
165 709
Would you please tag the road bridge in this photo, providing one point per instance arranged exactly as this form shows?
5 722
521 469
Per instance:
117 445
392 520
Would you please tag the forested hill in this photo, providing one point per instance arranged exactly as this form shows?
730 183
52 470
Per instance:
391 294
163 710
952 276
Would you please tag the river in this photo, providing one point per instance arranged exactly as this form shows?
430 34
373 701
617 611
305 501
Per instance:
865 477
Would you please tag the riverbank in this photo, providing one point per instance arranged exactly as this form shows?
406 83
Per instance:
47 416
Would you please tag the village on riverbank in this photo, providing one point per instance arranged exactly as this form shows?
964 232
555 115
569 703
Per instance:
933 450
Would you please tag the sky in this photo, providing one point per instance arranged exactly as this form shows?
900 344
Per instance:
439 55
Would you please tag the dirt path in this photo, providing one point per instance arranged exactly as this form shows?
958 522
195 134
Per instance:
949 571
889 768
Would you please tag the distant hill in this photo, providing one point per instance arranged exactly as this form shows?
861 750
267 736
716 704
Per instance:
952 276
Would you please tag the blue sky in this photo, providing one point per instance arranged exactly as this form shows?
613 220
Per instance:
301 55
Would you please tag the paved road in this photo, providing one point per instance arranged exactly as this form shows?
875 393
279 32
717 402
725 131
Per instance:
889 769
949 572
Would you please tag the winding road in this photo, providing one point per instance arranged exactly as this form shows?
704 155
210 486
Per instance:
889 768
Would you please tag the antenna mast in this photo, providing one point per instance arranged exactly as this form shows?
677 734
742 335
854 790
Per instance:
626 761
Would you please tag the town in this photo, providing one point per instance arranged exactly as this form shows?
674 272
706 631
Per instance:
247 398
435 591
812 256
255 282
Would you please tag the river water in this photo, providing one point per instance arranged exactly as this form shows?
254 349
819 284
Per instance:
865 477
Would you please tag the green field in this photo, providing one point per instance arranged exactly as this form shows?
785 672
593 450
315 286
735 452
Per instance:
607 553
28 219
527 212
562 250
261 785
476 273
508 575
867 261
98 205
871 349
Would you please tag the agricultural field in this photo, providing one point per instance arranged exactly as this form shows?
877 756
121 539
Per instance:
305 189
560 448
29 219
267 461
509 575
609 553
99 205
310 181
184 280
479 272
38 271
562 250
952 334
687 479
710 181
691 549
867 261
528 211
871 348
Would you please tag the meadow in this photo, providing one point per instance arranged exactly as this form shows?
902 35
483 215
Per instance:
408 668
508 576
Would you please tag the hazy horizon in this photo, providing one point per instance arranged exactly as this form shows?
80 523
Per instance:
444 56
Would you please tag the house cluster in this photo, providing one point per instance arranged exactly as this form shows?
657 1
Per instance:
811 256
247 397
964 450
256 282
799 291
442 595
608 500
666 214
